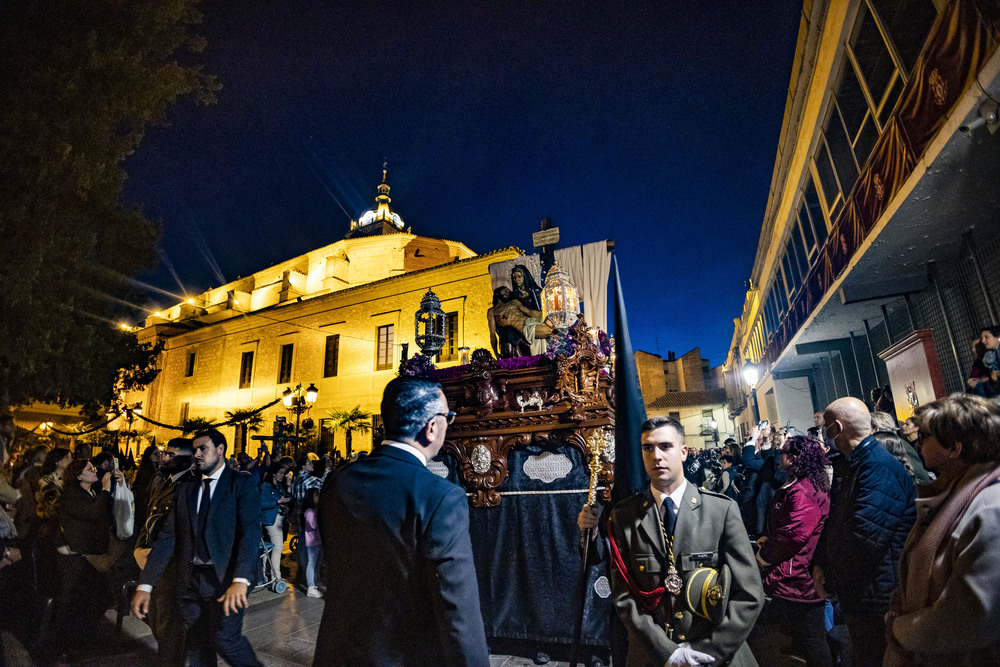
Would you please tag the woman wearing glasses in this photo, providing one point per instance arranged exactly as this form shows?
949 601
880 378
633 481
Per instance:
947 608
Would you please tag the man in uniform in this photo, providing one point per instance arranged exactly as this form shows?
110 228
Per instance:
654 554
164 619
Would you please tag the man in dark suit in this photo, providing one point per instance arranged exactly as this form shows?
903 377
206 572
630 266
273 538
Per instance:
402 583
211 537
659 539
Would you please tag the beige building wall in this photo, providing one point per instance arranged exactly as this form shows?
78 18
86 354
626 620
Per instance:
355 314
652 380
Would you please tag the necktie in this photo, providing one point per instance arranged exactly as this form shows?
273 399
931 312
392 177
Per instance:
667 515
206 499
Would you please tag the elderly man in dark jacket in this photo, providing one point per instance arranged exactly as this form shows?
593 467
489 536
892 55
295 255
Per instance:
871 515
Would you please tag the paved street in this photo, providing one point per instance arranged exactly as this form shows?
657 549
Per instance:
282 629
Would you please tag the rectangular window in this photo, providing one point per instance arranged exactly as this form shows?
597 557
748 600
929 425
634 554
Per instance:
815 212
874 60
332 356
246 370
828 180
325 436
385 353
189 371
285 368
857 116
841 151
908 23
674 415
185 411
449 351
795 243
807 230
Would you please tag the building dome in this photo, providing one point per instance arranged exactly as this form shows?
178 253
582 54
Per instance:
379 220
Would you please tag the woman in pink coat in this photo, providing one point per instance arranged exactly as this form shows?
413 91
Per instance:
795 520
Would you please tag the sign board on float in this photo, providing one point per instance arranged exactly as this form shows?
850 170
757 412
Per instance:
545 237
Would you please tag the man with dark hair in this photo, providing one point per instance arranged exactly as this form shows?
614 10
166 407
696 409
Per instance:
412 596
659 539
211 537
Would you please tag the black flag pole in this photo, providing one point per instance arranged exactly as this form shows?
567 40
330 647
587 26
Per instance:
630 475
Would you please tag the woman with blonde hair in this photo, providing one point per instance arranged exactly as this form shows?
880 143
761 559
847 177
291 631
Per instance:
947 607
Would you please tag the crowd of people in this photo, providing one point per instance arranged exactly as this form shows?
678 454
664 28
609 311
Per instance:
77 530
857 542
874 543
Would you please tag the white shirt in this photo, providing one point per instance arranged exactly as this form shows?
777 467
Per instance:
677 496
407 448
211 487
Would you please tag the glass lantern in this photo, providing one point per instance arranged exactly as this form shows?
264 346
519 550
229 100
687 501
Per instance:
560 303
429 324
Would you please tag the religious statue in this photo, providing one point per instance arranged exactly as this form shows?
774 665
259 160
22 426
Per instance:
513 327
525 289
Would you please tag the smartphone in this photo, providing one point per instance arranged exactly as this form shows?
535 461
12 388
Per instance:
115 459
762 424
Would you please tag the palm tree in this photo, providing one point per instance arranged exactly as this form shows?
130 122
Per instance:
244 420
350 421
195 424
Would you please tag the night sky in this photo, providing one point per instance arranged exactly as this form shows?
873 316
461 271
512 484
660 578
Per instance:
655 124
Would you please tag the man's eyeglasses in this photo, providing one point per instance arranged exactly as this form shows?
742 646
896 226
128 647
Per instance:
449 416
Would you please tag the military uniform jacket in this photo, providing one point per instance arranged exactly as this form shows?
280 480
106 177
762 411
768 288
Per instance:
708 533
162 492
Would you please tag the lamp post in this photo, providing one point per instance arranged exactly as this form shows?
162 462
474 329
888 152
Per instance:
715 432
750 374
299 400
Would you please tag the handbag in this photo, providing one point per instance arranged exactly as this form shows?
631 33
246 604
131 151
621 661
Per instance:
123 511
103 562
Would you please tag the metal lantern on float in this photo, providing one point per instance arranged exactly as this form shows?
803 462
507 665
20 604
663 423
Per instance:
429 323
560 303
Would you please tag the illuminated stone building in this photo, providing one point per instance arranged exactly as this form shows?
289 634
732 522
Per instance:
879 253
335 317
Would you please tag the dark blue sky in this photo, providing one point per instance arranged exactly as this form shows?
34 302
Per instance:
655 124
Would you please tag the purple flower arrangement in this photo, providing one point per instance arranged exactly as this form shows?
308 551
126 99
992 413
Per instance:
418 366
513 364
561 344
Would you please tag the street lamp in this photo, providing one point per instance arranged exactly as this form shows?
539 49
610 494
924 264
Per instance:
299 400
715 432
751 375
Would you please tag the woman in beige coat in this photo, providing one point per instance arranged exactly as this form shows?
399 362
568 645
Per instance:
946 610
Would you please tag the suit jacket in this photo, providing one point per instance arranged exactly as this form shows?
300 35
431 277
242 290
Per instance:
402 586
709 532
232 534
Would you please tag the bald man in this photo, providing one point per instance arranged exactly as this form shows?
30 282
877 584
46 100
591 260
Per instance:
871 514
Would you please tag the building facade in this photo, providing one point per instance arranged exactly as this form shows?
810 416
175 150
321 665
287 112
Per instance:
688 389
879 258
336 318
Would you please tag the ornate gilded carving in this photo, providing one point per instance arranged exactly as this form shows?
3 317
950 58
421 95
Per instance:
482 464
563 405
